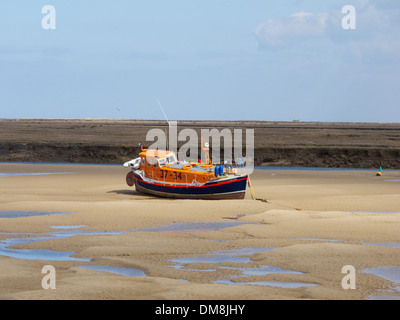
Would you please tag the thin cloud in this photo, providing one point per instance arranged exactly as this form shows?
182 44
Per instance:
377 25
299 25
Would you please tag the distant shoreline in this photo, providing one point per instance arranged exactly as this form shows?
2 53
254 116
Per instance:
198 121
283 143
270 168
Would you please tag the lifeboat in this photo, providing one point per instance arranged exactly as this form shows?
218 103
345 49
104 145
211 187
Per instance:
160 173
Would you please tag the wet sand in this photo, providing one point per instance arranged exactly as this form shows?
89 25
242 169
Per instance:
314 223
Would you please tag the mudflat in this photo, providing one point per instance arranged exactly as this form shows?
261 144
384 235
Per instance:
292 247
290 143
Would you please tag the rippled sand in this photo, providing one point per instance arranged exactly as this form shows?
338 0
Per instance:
292 247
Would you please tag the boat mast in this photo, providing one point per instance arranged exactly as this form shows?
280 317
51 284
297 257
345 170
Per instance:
206 153
165 116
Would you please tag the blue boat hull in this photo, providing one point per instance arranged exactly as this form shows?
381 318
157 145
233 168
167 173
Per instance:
234 188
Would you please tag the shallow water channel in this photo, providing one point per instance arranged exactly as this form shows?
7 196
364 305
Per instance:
241 255
72 230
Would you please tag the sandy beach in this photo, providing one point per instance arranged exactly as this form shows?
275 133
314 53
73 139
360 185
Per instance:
292 247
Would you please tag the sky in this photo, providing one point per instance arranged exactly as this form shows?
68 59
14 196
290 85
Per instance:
202 59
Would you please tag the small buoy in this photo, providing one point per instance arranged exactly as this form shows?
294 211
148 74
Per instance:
379 174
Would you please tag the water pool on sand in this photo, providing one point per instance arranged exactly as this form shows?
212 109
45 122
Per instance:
127 272
22 214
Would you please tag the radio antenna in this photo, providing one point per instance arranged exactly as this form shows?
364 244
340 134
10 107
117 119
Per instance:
162 109
165 116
